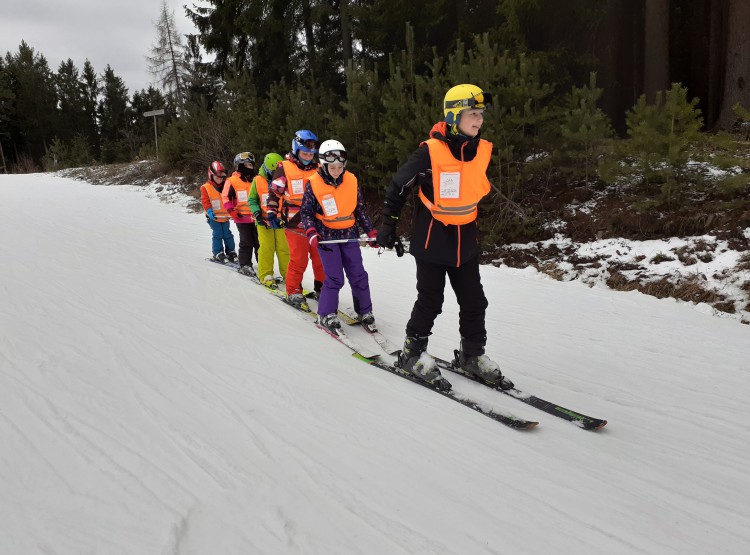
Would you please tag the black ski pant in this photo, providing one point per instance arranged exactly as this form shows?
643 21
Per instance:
467 285
248 243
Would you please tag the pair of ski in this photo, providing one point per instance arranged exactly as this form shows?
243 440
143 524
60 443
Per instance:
578 419
348 317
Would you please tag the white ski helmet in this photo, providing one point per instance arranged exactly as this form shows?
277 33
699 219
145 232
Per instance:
331 151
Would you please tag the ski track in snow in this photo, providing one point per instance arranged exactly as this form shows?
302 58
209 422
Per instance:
151 402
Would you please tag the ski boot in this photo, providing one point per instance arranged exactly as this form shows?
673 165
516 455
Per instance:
330 323
415 360
247 270
269 282
297 300
480 365
232 256
367 320
220 257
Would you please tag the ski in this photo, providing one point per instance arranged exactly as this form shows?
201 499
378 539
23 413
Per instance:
277 281
580 420
502 417
360 354
351 318
346 340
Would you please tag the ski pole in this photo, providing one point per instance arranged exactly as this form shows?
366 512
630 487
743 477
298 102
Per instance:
344 240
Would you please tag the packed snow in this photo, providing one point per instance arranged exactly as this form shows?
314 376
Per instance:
152 402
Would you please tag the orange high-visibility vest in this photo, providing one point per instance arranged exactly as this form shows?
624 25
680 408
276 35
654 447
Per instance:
261 187
242 190
338 203
217 203
457 186
295 184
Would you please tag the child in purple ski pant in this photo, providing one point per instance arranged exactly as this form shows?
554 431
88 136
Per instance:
333 210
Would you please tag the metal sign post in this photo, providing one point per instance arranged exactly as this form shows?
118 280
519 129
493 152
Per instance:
156 137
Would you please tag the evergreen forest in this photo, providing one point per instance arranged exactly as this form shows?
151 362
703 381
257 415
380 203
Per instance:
650 98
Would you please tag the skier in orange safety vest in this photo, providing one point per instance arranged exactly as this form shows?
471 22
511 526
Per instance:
236 197
217 215
449 173
288 185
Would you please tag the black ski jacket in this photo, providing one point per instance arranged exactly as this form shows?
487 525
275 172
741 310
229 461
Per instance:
451 245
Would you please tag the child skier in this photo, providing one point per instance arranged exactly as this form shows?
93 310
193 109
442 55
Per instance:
449 173
289 184
271 236
236 194
332 209
217 215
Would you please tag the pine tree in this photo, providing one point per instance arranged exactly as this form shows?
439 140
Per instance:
663 136
167 59
91 90
583 129
34 102
6 114
113 114
72 117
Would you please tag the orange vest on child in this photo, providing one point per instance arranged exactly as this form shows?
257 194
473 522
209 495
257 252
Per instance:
217 203
457 186
338 203
295 185
261 187
242 190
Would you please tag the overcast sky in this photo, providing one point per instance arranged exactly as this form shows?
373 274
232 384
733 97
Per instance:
115 32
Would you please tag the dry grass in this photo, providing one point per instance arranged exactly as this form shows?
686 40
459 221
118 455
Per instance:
691 290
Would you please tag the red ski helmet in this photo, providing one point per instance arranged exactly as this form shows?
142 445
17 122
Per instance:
216 169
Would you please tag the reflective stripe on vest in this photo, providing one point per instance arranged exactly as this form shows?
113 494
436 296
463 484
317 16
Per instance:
242 190
217 203
457 186
338 203
261 187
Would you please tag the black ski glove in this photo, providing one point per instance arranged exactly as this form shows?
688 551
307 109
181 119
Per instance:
387 231
259 219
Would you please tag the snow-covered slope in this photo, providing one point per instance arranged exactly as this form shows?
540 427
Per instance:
154 403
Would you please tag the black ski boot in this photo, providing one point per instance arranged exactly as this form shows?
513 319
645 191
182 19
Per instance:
367 321
247 270
415 360
330 322
232 256
472 360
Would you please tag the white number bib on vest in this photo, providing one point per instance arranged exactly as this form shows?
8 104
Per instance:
450 184
216 204
264 200
329 206
241 196
298 186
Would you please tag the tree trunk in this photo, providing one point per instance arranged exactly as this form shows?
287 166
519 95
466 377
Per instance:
309 37
737 75
346 32
619 49
2 155
656 48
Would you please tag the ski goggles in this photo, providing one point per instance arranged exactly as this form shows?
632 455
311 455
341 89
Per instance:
479 101
307 145
246 158
333 156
